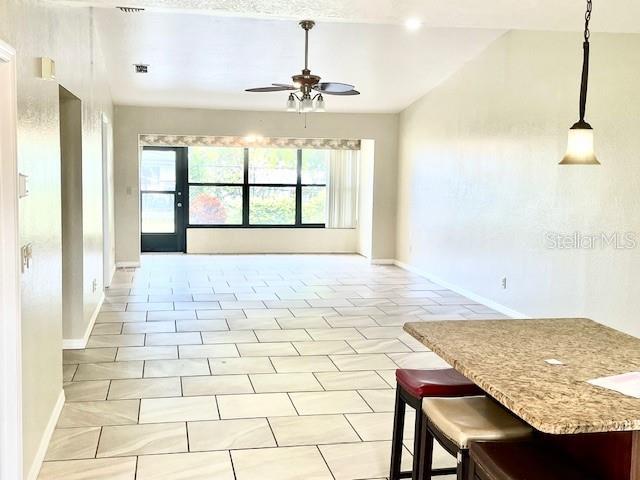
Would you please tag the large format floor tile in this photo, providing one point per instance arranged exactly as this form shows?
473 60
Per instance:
185 466
286 463
312 430
230 434
129 440
244 368
101 468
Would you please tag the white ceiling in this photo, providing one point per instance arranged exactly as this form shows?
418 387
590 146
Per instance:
204 53
207 61
609 15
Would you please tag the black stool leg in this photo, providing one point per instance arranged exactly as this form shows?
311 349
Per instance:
463 465
424 456
396 442
417 445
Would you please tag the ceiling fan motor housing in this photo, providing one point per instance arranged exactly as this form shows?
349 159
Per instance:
306 81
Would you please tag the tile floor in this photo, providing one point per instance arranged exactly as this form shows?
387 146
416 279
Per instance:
270 367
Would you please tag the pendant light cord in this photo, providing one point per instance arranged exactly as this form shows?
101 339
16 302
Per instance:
585 62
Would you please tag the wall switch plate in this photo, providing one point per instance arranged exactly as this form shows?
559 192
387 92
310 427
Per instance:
26 255
47 69
23 188
503 283
94 285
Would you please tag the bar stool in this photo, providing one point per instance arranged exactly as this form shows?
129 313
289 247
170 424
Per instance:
520 460
412 387
454 422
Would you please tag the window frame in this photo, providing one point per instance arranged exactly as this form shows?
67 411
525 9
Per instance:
246 189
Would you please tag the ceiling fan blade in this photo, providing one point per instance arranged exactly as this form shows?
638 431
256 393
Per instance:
343 94
333 87
270 89
284 85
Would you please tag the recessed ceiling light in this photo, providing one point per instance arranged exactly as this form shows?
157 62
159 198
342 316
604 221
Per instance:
413 24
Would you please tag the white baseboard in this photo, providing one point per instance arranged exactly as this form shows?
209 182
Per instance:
80 343
382 261
463 291
127 264
46 438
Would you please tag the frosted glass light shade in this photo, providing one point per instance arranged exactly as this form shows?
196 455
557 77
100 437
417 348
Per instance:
291 104
580 149
320 105
306 105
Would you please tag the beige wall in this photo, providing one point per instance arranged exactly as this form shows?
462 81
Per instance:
37 29
132 121
479 181
272 240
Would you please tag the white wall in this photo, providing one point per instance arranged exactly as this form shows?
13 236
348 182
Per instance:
38 29
272 240
365 197
132 121
479 183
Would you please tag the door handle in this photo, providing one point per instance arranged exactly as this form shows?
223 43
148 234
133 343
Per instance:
179 204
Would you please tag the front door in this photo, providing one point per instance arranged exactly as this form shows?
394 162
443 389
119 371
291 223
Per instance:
162 199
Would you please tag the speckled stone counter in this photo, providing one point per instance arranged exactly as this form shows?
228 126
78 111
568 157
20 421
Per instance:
506 358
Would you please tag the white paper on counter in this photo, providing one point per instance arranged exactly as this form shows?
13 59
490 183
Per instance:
628 383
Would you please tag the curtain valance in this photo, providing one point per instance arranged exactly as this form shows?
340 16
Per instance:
248 141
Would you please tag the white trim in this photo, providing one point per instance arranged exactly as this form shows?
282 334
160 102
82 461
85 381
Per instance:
46 438
382 261
10 324
80 343
7 52
127 264
463 291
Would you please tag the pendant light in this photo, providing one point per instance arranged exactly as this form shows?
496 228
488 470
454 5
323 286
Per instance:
580 142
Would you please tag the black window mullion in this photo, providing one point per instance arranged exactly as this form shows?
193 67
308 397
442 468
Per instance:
245 190
299 190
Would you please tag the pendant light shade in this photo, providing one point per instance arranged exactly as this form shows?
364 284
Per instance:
580 149
320 105
306 105
292 105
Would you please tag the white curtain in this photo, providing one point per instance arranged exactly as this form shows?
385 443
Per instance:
342 189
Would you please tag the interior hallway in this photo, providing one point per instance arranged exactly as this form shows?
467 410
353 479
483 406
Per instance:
269 367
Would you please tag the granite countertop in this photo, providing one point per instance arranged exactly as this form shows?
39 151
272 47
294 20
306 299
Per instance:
506 358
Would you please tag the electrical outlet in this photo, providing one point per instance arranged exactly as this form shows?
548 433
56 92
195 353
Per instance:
503 282
94 285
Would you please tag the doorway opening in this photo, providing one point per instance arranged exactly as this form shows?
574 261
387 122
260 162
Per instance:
162 202
72 218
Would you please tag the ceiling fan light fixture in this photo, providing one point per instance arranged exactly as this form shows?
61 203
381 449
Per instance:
292 105
320 104
306 105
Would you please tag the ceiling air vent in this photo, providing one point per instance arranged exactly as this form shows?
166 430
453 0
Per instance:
141 68
130 9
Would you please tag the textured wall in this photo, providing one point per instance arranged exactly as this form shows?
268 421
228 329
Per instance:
37 29
132 121
479 181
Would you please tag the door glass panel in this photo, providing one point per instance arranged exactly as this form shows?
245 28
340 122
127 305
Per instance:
158 213
210 205
273 165
158 170
315 166
314 204
216 165
272 206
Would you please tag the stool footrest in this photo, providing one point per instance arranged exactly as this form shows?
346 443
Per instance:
434 472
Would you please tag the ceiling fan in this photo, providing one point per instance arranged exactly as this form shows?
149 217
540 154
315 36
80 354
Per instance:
309 86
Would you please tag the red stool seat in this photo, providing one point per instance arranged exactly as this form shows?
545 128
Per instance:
446 382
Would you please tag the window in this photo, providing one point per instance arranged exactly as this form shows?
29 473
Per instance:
257 187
